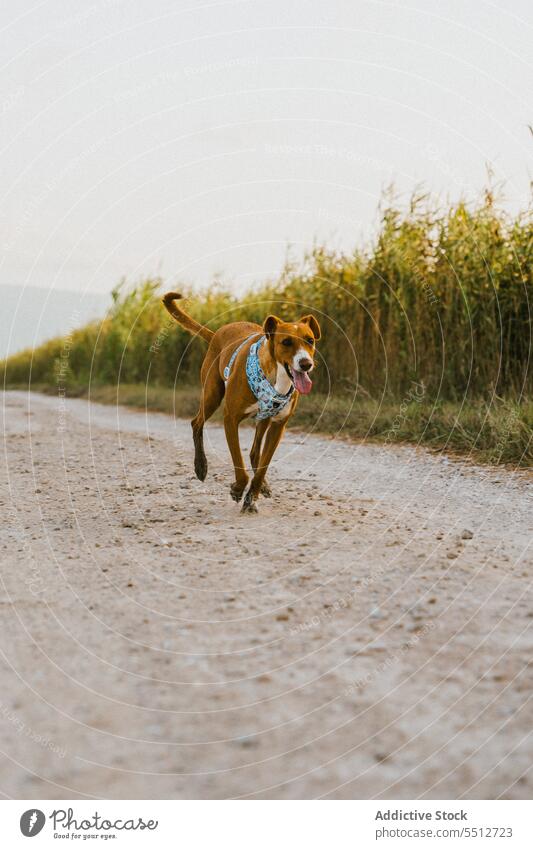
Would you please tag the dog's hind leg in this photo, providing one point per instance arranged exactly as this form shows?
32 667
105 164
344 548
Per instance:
212 395
255 452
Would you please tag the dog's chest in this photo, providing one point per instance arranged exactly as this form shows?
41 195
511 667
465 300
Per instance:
282 385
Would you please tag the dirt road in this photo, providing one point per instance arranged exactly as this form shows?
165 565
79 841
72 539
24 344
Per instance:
368 634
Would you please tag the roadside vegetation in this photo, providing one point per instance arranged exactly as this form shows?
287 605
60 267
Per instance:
427 335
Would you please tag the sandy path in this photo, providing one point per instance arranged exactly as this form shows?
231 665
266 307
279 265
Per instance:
345 642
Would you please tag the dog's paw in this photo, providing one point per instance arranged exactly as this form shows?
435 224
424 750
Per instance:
265 490
249 505
200 468
236 491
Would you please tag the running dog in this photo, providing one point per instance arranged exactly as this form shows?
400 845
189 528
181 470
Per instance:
260 371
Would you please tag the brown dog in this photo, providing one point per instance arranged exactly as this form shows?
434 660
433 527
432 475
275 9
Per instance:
278 370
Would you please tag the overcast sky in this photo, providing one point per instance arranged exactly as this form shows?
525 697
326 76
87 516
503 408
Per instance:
189 139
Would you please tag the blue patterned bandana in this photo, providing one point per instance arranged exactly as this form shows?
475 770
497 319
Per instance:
270 402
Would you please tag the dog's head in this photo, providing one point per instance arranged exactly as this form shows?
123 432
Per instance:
292 344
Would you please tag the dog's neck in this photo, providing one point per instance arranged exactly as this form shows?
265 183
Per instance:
274 371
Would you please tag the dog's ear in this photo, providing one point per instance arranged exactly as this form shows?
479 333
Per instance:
313 324
270 324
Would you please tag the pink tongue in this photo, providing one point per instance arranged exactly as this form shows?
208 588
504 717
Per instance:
302 382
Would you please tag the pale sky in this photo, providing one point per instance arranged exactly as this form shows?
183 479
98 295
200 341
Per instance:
186 139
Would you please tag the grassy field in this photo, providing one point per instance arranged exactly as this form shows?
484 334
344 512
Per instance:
427 335
500 434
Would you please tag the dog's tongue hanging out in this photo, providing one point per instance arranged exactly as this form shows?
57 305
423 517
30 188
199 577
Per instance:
302 382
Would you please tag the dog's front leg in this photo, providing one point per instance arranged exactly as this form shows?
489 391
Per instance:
231 426
255 453
272 440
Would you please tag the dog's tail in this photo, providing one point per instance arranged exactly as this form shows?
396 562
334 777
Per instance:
185 320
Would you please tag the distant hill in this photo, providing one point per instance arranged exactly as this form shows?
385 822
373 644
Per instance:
33 315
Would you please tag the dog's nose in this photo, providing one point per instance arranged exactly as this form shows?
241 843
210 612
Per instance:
305 365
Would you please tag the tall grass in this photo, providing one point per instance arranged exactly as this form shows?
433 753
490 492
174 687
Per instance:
442 299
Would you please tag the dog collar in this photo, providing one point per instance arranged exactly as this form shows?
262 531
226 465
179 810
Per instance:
270 402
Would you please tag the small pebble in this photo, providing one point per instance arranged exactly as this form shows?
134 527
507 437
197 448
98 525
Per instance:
246 742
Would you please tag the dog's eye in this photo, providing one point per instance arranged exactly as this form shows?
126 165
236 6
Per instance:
310 340
287 342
